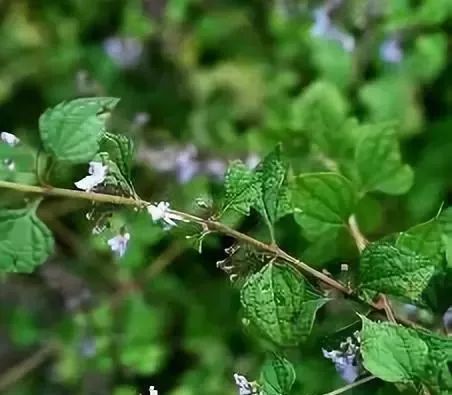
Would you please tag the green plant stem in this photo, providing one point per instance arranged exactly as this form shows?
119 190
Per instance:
350 386
208 224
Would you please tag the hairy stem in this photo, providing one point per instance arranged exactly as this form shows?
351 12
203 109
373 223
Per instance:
359 238
205 223
350 386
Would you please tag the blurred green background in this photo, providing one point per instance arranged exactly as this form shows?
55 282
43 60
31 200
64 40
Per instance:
201 82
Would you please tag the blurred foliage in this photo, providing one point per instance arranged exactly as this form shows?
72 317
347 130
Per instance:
231 78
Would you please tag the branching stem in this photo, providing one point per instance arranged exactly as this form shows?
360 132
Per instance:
208 224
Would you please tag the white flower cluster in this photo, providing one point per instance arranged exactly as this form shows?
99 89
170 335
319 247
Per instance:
96 175
346 358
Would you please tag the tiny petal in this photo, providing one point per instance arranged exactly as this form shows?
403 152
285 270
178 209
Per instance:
118 244
153 391
245 387
97 172
447 319
348 372
9 164
9 138
160 212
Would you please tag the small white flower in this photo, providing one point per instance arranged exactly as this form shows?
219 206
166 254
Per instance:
97 172
252 160
9 164
118 244
153 391
9 138
245 387
161 212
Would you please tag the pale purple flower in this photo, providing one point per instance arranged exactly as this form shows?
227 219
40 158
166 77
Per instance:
118 244
9 138
447 319
244 386
390 51
323 27
124 51
97 172
186 164
346 358
161 212
216 168
88 347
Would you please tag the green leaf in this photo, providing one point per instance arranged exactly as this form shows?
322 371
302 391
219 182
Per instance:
278 302
322 202
71 130
274 200
277 376
423 239
385 268
397 354
319 112
242 188
391 352
392 98
379 163
120 150
115 183
26 242
445 221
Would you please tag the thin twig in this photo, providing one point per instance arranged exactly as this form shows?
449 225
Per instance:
359 238
17 372
350 386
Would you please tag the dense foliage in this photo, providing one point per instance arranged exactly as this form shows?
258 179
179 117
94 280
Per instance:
302 146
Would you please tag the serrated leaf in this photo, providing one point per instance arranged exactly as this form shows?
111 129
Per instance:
277 376
242 188
397 354
71 130
322 202
115 182
274 200
319 112
278 302
120 150
379 163
392 353
385 268
445 221
26 241
423 239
